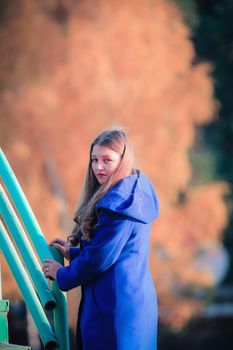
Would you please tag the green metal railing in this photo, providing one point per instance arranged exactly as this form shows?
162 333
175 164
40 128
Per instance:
38 294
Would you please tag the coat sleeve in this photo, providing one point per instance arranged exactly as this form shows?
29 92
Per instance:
109 238
74 252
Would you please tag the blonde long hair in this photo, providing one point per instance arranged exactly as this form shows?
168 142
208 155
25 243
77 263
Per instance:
117 140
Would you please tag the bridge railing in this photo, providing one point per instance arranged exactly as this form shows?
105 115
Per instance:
28 238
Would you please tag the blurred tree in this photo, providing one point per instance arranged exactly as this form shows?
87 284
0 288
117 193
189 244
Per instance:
214 42
65 78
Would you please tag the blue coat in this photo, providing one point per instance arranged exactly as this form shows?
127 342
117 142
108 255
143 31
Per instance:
118 308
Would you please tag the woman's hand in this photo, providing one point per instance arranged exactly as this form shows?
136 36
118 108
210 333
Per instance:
61 245
50 268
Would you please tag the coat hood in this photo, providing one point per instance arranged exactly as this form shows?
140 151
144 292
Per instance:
134 196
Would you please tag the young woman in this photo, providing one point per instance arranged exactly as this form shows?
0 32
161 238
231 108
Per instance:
118 308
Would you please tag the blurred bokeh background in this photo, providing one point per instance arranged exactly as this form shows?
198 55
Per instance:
164 70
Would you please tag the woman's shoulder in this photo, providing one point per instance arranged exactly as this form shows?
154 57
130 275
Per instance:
133 196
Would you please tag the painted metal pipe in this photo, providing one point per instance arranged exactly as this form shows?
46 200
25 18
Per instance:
60 313
32 264
47 336
0 278
24 209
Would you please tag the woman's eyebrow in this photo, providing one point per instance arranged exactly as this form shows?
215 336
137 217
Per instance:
102 156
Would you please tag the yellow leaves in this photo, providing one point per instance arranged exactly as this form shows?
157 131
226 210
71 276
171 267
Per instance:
130 63
184 237
21 150
196 222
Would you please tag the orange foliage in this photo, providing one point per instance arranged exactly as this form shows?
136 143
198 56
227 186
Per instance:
66 77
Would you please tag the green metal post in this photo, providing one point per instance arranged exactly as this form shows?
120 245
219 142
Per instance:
61 323
0 278
47 336
4 309
24 246
24 209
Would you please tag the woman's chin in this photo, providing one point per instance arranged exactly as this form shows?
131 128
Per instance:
102 179
101 182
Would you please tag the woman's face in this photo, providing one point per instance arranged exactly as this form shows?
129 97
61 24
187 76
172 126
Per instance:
104 162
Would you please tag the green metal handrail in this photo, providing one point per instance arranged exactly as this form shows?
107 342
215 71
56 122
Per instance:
24 209
41 284
27 289
60 317
54 298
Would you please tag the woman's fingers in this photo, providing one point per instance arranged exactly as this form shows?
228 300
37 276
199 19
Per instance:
50 268
58 245
64 250
53 241
45 269
60 241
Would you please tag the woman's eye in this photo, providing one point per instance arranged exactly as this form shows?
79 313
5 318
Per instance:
107 161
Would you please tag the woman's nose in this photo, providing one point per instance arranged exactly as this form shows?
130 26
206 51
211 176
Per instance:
99 165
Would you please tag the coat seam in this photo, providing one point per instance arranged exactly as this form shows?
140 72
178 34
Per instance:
110 255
